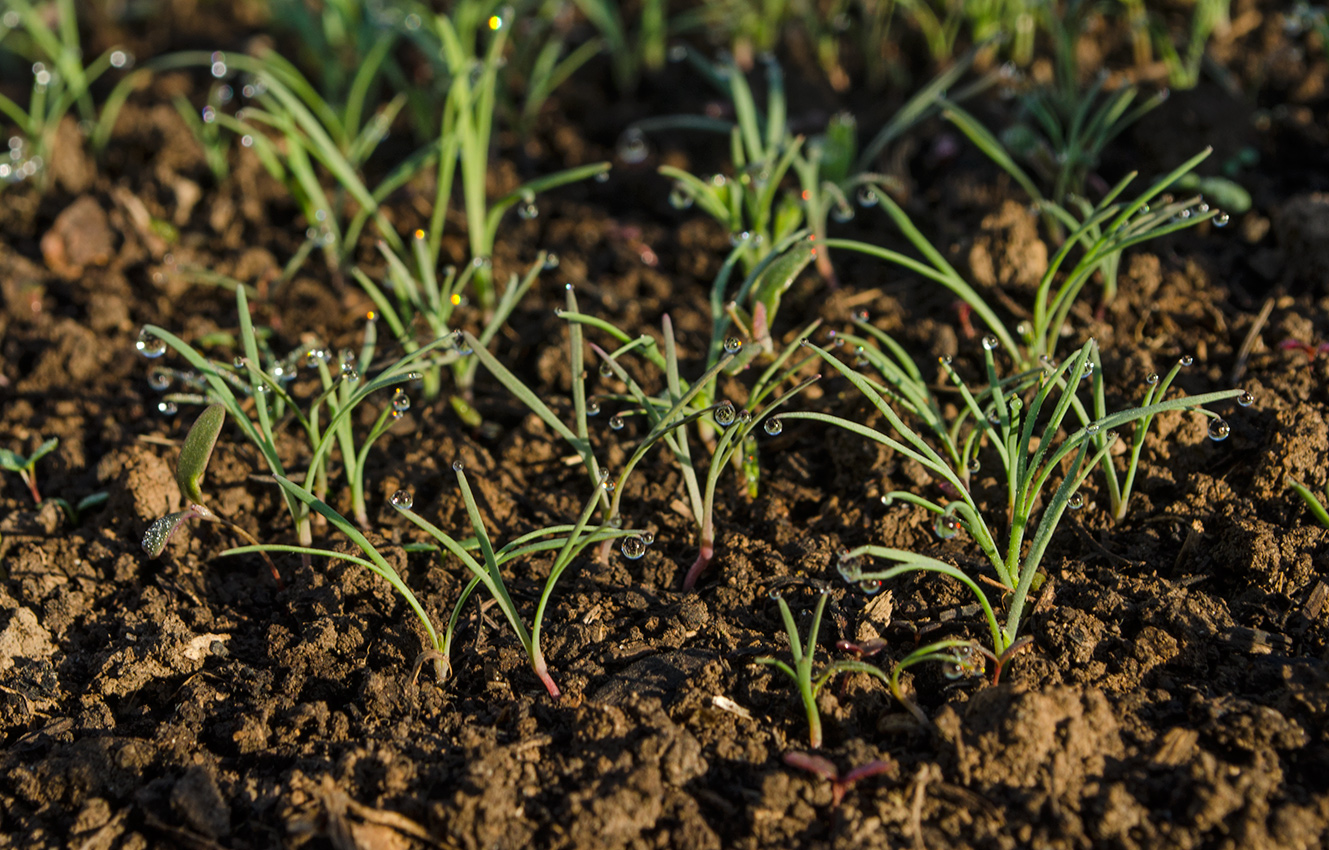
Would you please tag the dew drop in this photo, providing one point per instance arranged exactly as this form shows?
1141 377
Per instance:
458 466
1091 429
593 408
551 261
842 213
1151 378
849 566
401 402
606 371
744 416
149 344
602 177
632 147
867 196
869 586
527 211
974 465
733 345
159 379
1245 399
946 526
167 408
616 423
1221 220
1075 502
773 426
742 238
1025 330
240 362
679 197
725 414
861 315
1186 360
402 500
632 548
990 342
647 538
1219 430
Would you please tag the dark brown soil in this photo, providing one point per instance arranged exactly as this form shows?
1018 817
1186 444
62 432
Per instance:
1176 695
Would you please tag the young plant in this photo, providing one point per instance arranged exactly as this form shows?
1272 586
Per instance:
679 406
568 541
802 672
326 421
424 298
840 784
60 83
1024 431
195 453
315 141
465 139
634 49
1107 230
26 467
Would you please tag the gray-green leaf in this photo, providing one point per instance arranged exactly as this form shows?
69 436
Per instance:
196 452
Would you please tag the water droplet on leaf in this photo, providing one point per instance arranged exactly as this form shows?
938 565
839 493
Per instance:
1219 430
149 344
724 414
632 548
402 500
773 426
946 526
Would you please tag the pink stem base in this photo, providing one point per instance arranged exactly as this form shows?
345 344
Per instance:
699 566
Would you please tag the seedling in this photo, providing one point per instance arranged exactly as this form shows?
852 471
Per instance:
678 407
802 671
74 512
26 467
840 785
427 299
567 540
465 136
1005 424
633 50
60 83
344 386
1106 231
195 453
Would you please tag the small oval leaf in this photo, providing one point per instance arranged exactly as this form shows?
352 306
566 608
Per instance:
197 450
159 533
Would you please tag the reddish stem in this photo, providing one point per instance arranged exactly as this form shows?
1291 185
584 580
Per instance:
699 566
542 673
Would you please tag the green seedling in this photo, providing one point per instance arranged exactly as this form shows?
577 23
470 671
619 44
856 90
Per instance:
568 541
1107 230
1208 17
678 406
343 384
26 467
406 300
195 453
1033 435
634 49
466 133
60 83
808 684
840 785
74 512
312 137
1313 501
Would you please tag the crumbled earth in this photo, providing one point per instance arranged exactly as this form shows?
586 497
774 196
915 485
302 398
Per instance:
1176 693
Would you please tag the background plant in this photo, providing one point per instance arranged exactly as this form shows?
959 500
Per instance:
26 467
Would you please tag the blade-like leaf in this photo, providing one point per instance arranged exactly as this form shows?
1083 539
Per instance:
197 450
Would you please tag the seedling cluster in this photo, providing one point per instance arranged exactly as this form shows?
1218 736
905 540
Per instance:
1019 402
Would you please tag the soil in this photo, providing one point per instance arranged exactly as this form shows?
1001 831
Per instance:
1176 693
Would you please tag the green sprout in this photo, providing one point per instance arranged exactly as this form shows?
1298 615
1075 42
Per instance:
326 420
26 467
1021 424
60 83
567 540
195 453
808 684
668 415
1105 231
